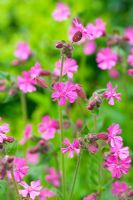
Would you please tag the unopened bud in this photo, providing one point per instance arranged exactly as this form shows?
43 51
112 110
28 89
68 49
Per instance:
45 73
59 45
79 124
93 148
77 36
41 82
102 136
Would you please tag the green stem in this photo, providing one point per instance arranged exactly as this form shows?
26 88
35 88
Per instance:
95 122
62 136
15 185
24 107
75 176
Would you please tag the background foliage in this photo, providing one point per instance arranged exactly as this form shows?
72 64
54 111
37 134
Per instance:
31 21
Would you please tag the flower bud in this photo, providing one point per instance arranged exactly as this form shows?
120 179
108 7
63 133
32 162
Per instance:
41 82
102 136
45 73
79 124
59 45
93 148
77 36
92 138
9 139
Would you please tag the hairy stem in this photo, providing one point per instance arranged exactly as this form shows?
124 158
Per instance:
75 176
15 185
62 136
95 122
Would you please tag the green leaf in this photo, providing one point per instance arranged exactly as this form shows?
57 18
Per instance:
11 148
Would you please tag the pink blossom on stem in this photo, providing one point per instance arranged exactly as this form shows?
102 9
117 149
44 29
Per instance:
128 35
23 51
20 169
121 152
130 72
92 196
36 70
78 26
64 91
106 59
32 190
48 127
46 193
89 47
61 12
111 94
71 147
27 134
70 67
116 166
96 30
26 83
119 188
53 177
32 158
114 140
4 128
72 32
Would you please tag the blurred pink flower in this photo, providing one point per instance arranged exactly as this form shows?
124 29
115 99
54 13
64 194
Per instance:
130 72
20 169
48 127
96 30
32 190
92 196
128 35
111 94
71 147
27 134
89 47
78 26
115 141
53 177
26 83
23 51
46 193
116 166
121 152
118 188
113 73
4 128
36 70
32 158
64 91
70 67
61 12
106 59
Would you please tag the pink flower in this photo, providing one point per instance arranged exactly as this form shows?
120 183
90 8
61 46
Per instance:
61 12
26 83
32 158
32 190
106 59
111 94
113 73
46 193
115 141
64 91
96 30
4 128
71 147
20 168
27 134
92 196
35 70
89 47
122 153
130 72
128 35
53 177
118 188
23 51
48 127
70 67
78 26
116 166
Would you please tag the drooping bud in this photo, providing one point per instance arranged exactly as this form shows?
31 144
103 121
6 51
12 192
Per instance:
93 147
59 45
45 73
102 136
94 101
41 82
79 124
77 36
80 91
